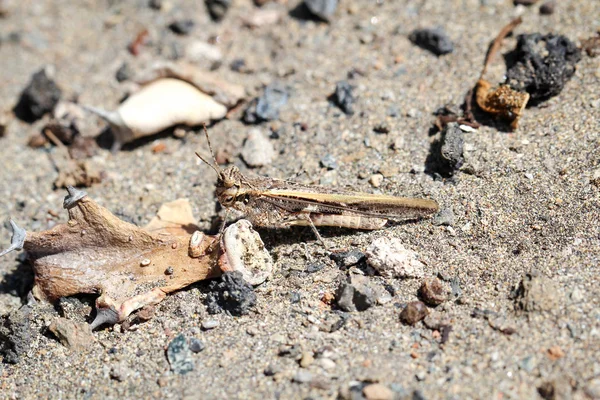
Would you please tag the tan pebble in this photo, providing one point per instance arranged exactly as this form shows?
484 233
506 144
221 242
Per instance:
307 359
375 180
377 391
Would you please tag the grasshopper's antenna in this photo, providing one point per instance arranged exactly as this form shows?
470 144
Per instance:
215 165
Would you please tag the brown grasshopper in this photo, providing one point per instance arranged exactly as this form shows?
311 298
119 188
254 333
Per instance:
274 203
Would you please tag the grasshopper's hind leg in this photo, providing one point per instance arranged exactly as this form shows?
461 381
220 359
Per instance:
304 219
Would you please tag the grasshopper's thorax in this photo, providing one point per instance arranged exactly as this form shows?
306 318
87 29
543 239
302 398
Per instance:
232 191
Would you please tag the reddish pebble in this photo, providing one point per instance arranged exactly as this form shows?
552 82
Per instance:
414 312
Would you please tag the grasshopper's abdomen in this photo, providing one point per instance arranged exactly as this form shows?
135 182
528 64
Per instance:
348 221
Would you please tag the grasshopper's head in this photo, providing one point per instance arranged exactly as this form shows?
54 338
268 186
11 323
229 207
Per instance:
231 190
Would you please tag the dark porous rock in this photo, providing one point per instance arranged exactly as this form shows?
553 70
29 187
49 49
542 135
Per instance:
343 97
15 334
76 336
182 27
355 296
267 106
541 65
414 312
217 8
345 259
435 40
537 293
446 155
323 9
232 294
451 151
432 292
179 356
39 97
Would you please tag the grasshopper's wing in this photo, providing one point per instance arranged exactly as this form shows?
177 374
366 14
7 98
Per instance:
357 203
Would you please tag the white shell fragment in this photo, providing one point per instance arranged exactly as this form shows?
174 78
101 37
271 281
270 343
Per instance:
208 82
198 245
161 105
392 260
244 251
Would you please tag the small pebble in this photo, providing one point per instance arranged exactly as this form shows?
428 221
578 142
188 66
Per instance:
169 271
345 259
527 364
155 4
377 391
201 51
382 128
414 312
267 106
182 27
119 373
307 359
327 363
455 288
209 324
420 376
376 180
124 72
413 113
314 267
178 354
354 297
196 345
323 9
445 218
343 97
217 8
258 149
451 156
73 335
537 292
328 161
435 40
432 292
271 370
145 262
39 97
391 259
295 297
302 376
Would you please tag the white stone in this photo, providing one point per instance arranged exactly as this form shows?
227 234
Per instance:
257 150
392 260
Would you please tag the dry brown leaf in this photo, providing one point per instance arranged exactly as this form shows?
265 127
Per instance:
131 267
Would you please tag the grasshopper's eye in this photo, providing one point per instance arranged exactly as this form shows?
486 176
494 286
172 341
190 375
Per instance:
228 200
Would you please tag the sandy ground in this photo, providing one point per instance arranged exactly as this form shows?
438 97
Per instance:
527 204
